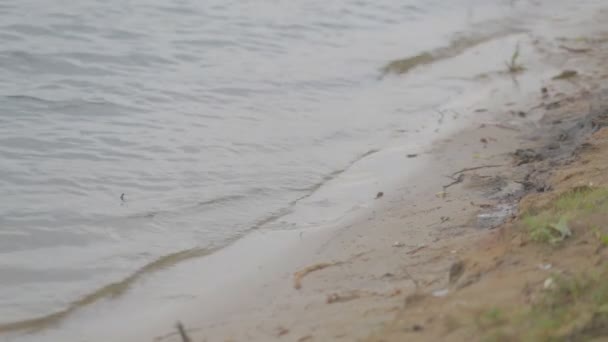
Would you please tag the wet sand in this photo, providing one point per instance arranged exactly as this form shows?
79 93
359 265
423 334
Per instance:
349 281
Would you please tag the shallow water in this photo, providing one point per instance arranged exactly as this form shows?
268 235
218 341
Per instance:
212 118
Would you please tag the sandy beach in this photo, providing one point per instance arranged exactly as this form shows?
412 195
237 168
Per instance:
437 243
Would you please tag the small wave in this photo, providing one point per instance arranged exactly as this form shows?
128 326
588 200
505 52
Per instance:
135 59
311 189
44 64
111 291
74 106
28 29
27 98
309 192
220 200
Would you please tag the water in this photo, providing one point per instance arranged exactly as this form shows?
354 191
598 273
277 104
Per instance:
213 118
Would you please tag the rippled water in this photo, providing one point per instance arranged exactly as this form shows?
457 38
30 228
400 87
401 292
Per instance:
211 117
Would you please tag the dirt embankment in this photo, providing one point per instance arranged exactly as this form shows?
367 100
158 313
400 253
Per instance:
543 276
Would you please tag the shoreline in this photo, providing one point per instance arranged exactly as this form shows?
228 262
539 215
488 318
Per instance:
360 275
364 282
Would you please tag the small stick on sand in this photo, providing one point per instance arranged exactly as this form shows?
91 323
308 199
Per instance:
474 168
456 181
356 294
298 276
575 50
182 332
415 250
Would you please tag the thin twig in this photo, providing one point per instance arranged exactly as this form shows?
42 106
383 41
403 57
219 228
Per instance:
569 49
413 251
182 332
475 168
456 181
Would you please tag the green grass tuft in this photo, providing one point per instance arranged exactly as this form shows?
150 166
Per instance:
574 309
513 66
551 225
